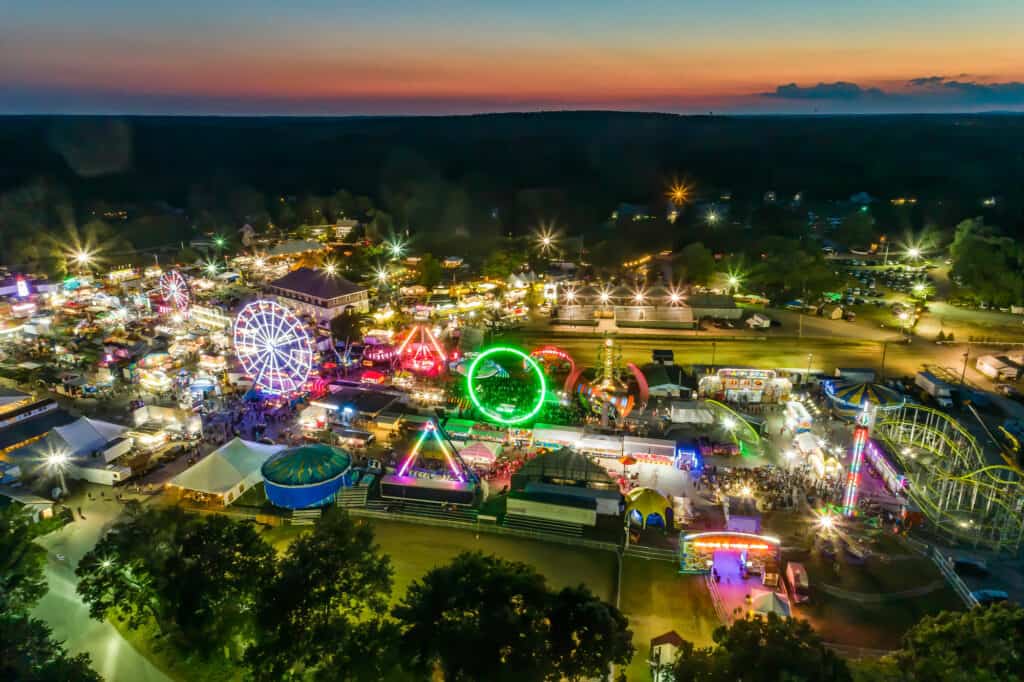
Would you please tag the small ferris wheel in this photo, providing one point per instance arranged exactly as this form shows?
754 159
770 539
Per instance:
174 290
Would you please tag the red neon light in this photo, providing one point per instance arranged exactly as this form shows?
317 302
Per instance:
732 545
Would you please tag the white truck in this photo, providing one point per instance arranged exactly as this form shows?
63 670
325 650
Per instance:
938 389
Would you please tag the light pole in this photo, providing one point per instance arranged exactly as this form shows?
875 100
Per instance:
807 378
713 344
963 372
58 461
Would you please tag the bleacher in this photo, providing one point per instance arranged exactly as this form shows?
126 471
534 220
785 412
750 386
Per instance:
305 517
352 497
425 509
536 525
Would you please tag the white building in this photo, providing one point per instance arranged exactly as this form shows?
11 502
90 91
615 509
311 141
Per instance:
319 295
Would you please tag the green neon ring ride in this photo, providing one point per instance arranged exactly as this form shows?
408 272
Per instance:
490 413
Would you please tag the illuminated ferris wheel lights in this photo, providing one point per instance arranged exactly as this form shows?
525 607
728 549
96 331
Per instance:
273 347
174 290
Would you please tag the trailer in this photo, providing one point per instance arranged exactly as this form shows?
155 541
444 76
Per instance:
938 389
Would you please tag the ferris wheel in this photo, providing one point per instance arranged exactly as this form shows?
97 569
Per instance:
273 346
174 290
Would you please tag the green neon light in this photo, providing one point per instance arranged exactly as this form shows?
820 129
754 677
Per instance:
516 418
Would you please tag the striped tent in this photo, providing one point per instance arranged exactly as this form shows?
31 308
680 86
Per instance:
853 396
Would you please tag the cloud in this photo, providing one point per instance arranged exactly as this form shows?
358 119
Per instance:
970 92
962 92
840 90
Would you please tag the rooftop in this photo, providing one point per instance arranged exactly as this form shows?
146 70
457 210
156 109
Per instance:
317 284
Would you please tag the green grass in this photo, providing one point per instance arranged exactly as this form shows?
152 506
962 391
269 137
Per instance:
657 599
172 662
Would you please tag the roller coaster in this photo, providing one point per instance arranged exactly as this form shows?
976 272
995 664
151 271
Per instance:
965 497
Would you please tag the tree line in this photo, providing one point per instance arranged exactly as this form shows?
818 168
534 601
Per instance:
323 608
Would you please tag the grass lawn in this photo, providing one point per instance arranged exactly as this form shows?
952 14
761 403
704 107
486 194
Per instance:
654 596
415 549
168 659
657 599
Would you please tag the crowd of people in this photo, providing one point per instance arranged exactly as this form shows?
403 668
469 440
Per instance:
771 487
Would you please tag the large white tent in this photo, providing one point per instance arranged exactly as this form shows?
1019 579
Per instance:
227 472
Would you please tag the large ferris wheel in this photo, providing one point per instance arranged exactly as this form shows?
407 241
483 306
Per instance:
273 346
174 290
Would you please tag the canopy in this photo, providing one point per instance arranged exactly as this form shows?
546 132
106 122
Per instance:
85 436
230 470
646 501
481 451
770 602
853 396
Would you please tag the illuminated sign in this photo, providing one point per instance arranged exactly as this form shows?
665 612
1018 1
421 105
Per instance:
22 286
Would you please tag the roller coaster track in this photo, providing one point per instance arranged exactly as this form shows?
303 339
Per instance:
755 437
966 497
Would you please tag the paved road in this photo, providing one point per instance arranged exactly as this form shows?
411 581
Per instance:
112 656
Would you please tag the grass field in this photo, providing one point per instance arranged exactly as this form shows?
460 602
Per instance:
654 596
657 599
781 351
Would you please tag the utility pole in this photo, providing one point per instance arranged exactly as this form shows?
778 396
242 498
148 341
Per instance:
807 378
712 355
885 347
963 372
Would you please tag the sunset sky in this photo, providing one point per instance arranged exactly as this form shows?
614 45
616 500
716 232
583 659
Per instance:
326 57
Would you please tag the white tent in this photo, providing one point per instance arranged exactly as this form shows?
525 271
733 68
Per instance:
228 471
85 436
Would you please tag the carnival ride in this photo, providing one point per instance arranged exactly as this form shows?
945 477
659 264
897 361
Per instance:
456 485
174 291
493 400
739 430
420 352
273 346
609 393
861 435
968 497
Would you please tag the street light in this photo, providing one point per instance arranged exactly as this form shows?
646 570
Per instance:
211 268
605 296
570 295
711 217
58 461
331 269
546 239
639 297
396 248
679 193
914 253
382 275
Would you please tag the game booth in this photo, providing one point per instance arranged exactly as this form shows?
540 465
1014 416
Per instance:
745 386
728 552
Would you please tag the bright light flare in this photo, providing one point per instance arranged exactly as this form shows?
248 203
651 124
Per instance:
547 239
679 192
639 296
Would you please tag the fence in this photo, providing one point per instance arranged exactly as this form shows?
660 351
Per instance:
486 527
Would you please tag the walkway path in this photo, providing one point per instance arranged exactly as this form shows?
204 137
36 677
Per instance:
112 656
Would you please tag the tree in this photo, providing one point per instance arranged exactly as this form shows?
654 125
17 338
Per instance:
430 271
984 644
695 264
762 650
501 263
477 618
987 263
588 635
28 652
22 561
321 611
348 325
196 577
857 230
